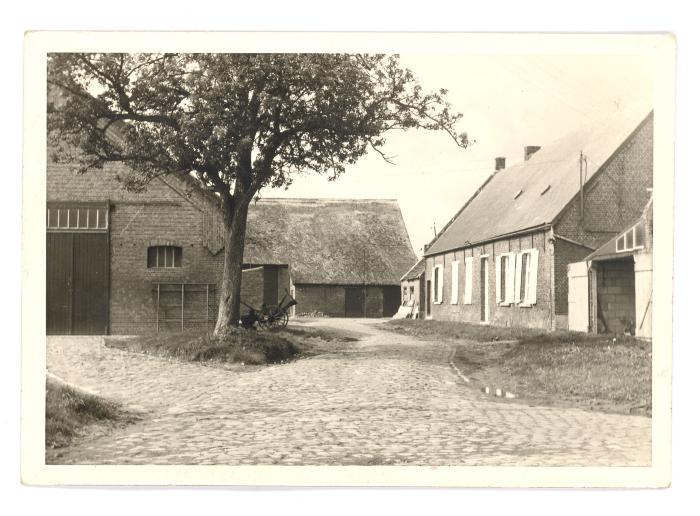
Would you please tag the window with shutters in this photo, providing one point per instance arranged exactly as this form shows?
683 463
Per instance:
164 256
526 278
505 279
437 284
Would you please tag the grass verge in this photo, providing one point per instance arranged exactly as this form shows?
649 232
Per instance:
594 372
238 346
70 413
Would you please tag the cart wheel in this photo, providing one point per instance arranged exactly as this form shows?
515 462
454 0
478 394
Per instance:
277 318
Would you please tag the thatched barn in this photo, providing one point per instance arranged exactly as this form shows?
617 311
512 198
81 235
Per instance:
126 263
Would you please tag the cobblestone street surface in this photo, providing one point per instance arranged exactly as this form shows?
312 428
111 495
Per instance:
386 399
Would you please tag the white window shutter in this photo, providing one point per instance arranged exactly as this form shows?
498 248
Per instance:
518 277
440 283
498 279
454 291
433 285
510 278
532 285
468 262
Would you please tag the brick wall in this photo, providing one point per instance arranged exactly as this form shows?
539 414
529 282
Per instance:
564 254
613 201
616 197
616 289
538 315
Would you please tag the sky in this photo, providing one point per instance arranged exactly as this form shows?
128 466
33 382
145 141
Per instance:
508 102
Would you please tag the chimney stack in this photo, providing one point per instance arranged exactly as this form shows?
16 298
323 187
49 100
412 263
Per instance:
530 150
500 164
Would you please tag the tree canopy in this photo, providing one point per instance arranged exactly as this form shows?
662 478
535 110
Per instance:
239 122
252 118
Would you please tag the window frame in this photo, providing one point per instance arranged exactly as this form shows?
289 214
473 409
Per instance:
175 261
438 284
530 288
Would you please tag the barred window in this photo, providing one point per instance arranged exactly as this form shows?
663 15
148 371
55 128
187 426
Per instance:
164 256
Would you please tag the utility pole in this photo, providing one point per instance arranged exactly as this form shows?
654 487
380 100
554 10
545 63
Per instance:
580 177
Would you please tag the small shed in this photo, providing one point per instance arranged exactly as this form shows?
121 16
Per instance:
610 291
413 293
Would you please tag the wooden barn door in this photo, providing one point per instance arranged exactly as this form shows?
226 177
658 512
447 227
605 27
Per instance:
77 271
392 300
59 283
354 302
270 285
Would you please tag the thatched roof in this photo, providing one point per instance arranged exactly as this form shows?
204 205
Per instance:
331 241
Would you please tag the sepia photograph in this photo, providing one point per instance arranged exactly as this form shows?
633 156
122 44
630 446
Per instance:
351 257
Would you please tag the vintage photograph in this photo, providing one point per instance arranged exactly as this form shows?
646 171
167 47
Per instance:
350 258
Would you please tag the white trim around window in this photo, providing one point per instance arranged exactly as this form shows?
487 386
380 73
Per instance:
437 284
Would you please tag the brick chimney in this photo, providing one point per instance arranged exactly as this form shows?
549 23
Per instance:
530 150
500 164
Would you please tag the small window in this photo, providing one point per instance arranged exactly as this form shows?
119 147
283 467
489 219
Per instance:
639 236
164 256
412 292
632 239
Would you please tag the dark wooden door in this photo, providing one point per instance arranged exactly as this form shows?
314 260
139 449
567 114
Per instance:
354 302
59 283
77 283
392 300
270 285
428 297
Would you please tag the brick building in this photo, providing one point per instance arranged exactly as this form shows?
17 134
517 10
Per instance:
503 258
125 263
610 291
413 292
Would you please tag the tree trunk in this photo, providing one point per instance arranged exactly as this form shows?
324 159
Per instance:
230 297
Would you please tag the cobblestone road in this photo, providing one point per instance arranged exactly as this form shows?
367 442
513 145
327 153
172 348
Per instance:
386 399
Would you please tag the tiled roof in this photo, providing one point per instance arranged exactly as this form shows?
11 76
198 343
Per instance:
533 193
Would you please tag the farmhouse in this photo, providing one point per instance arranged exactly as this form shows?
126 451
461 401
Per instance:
125 263
503 258
610 291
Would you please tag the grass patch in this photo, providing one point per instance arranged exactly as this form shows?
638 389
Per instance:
238 346
448 330
561 368
70 412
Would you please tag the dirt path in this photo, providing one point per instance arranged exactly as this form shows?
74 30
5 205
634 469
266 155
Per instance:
385 399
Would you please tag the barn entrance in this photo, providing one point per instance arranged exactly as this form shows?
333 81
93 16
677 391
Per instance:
77 270
354 302
392 300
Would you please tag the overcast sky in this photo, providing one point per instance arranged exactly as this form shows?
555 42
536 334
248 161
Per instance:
508 102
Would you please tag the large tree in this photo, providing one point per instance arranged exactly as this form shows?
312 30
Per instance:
239 122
